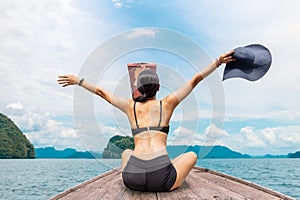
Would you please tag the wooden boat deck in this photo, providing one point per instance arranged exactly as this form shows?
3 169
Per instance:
200 184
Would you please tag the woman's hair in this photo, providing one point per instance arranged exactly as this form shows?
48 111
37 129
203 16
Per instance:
147 84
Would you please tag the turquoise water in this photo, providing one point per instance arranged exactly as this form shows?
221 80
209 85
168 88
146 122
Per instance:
44 178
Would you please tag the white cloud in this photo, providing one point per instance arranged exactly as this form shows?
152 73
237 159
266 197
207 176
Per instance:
251 138
274 140
40 40
214 132
141 32
27 120
117 4
122 3
181 136
270 135
212 136
55 134
34 24
15 108
41 129
185 136
287 114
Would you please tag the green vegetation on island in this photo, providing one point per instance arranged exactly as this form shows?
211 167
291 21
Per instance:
13 143
116 145
294 155
273 156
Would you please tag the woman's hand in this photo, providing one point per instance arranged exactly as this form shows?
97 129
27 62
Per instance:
226 57
67 80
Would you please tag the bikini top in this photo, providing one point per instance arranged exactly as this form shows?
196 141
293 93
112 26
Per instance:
137 130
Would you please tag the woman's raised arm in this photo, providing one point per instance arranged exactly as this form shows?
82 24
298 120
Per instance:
175 98
119 102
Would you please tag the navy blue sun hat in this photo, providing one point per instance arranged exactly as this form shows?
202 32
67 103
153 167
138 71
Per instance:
252 63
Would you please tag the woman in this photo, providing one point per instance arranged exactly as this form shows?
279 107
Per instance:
148 167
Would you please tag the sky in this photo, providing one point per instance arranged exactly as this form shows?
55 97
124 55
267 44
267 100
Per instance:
40 40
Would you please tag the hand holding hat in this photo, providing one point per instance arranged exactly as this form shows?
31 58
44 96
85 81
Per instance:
251 63
226 58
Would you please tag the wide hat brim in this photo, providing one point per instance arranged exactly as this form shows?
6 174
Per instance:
252 63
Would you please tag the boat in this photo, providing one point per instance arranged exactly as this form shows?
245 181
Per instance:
201 183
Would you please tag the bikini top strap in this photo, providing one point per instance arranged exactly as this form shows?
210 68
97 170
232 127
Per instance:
135 115
160 116
160 113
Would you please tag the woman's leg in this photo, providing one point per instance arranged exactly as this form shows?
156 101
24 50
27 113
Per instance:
183 165
125 157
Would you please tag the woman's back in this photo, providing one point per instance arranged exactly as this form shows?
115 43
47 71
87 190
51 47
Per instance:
149 121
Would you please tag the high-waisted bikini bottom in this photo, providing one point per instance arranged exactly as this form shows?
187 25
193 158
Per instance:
155 175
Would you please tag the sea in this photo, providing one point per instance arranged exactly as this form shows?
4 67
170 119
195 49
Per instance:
40 179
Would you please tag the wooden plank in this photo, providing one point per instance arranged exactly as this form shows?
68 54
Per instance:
95 185
247 188
87 184
148 195
247 191
113 187
120 195
208 189
167 195
131 194
184 192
